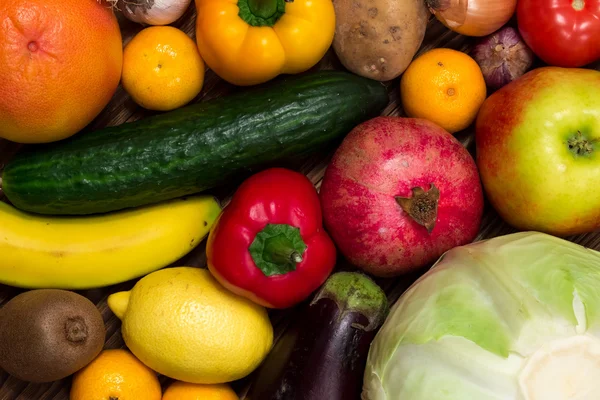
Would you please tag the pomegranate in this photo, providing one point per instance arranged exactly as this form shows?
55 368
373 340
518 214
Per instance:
398 193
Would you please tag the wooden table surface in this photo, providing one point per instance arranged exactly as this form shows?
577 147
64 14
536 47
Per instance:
122 109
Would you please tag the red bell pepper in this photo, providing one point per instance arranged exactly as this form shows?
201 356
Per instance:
269 244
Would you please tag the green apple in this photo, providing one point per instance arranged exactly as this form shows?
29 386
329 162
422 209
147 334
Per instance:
538 150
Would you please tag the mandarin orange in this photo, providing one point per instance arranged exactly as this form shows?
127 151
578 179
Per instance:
115 374
191 391
162 68
445 86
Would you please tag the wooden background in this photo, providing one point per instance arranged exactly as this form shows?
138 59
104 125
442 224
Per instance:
122 109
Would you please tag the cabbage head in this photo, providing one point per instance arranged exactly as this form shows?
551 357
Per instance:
516 317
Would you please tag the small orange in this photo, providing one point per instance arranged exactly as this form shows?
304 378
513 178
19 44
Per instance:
189 391
162 68
444 86
116 375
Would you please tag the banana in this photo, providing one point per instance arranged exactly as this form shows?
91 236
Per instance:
96 251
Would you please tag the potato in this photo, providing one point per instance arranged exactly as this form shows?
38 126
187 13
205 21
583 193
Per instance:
378 39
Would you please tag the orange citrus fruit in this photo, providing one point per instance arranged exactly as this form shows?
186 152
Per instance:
115 374
190 391
61 64
162 68
444 86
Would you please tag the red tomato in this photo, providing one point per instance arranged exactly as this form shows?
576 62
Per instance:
564 33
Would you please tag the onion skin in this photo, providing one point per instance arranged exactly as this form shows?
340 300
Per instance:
502 56
473 17
152 12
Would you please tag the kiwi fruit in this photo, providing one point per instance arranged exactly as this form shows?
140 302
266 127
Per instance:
49 334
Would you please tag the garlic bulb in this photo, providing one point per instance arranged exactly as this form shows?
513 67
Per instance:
502 56
152 12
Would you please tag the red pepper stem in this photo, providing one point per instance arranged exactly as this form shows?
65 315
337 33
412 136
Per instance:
277 249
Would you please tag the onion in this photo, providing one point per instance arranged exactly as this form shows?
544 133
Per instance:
152 12
473 17
503 57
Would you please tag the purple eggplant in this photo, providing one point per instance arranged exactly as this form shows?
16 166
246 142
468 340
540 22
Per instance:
323 353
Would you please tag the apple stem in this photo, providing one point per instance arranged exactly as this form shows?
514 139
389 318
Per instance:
422 206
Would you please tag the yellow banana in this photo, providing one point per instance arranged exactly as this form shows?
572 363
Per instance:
100 250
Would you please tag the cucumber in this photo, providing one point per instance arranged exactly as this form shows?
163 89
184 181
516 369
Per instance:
192 149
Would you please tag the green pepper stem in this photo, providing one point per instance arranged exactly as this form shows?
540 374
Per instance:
261 12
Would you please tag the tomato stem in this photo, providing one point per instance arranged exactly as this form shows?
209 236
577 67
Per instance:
578 5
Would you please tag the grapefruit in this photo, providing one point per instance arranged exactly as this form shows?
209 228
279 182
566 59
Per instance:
61 64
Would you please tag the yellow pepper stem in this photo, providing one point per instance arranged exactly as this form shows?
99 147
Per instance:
261 12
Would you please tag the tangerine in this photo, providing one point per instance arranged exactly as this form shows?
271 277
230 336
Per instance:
179 390
444 86
116 374
162 68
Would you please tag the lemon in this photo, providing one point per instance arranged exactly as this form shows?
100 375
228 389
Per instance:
183 324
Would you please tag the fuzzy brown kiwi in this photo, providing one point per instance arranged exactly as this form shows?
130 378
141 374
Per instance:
49 334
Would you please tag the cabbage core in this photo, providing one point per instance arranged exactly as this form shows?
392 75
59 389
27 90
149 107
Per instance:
563 369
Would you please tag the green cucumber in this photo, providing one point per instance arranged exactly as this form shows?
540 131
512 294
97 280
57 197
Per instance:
191 149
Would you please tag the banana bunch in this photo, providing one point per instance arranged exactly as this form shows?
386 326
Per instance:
100 250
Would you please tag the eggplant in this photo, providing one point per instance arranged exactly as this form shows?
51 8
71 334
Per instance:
323 353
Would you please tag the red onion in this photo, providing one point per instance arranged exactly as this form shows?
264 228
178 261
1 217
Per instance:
503 57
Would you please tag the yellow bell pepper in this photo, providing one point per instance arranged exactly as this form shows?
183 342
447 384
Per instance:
247 42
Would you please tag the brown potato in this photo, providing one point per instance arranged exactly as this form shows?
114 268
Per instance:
378 39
